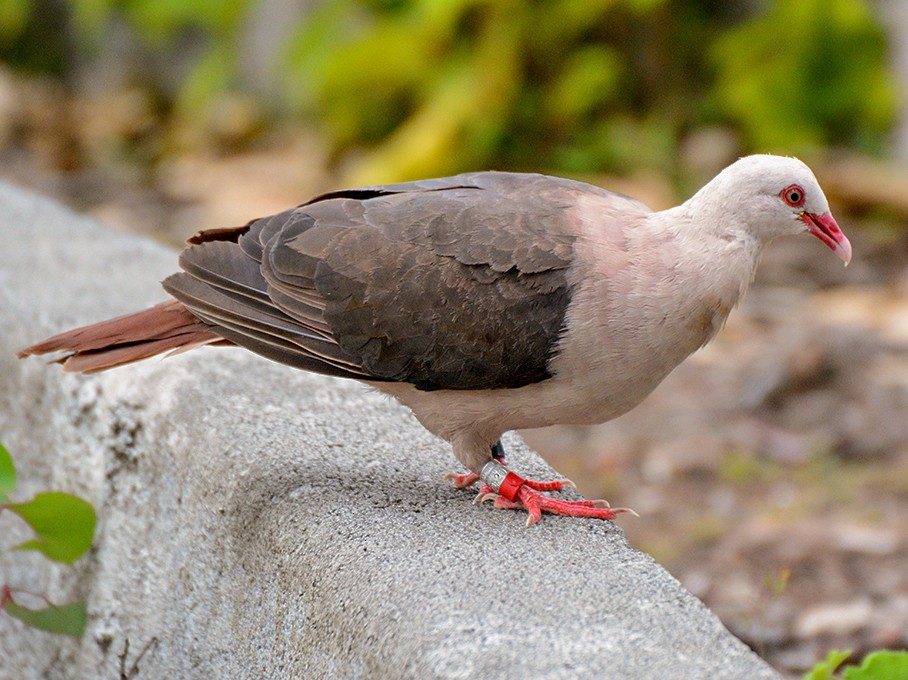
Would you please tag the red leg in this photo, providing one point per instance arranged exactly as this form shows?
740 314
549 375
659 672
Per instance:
514 492
509 490
464 480
535 503
470 478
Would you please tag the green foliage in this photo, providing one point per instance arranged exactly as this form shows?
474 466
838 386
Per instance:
13 18
808 70
68 620
584 85
405 88
162 24
436 87
882 665
159 21
825 670
64 526
7 474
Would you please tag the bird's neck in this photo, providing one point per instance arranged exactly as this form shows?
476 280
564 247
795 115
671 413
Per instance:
715 249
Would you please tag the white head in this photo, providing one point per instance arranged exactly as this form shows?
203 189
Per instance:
774 196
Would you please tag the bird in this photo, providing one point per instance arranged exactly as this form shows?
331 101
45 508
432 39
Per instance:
484 302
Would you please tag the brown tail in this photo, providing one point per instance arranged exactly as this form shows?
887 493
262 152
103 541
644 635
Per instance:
168 326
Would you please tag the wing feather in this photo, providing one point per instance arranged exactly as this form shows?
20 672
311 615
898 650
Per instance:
454 283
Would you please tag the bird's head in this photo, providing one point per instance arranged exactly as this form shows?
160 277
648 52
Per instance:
775 196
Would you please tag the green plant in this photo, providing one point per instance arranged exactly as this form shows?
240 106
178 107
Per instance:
882 665
162 24
407 88
806 70
64 526
429 87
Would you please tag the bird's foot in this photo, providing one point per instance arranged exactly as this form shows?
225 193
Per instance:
464 480
470 478
511 491
536 503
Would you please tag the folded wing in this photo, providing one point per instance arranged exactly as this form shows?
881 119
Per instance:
456 283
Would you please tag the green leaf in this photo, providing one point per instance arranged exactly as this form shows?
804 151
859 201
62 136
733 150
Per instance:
7 474
825 670
68 619
65 525
884 665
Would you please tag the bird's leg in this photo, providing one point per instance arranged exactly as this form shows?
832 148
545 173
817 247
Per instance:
470 478
509 490
466 479
536 503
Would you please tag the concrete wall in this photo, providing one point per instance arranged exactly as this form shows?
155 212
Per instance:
260 522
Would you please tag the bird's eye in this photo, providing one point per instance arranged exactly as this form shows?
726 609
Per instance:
793 196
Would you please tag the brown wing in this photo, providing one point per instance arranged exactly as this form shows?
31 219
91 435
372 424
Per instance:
456 283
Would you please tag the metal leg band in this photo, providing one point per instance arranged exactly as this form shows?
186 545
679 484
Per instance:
502 481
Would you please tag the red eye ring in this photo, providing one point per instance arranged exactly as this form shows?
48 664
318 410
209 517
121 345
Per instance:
793 195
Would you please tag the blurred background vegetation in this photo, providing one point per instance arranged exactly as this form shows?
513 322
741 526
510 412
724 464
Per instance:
400 89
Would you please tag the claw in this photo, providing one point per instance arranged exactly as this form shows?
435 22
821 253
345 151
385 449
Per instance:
536 503
464 480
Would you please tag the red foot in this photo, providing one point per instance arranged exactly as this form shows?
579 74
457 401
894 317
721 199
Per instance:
464 480
535 504
528 497
470 478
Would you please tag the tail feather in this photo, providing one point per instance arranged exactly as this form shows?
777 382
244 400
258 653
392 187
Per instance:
166 327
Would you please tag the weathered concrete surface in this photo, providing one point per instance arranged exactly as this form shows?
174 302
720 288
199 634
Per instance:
261 522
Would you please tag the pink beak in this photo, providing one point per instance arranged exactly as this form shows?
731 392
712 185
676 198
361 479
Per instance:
824 227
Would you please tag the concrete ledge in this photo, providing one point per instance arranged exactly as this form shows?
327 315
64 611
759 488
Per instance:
260 522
